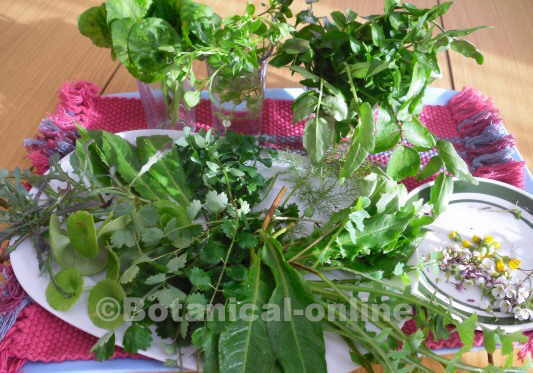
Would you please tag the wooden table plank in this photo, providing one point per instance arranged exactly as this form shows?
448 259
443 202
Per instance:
282 78
507 75
40 48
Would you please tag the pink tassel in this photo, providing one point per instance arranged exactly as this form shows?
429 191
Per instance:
509 172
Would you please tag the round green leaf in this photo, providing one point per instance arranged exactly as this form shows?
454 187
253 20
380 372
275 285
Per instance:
105 306
70 285
404 162
82 234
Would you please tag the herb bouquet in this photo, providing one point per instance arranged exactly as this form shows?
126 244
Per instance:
253 263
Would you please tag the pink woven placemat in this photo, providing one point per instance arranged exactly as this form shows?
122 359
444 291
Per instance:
469 120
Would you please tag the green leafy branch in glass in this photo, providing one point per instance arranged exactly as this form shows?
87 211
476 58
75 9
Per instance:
368 76
158 41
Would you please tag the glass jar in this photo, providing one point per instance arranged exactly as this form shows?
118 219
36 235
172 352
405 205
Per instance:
164 107
237 101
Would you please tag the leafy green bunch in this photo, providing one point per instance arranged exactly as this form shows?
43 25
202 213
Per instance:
158 41
368 76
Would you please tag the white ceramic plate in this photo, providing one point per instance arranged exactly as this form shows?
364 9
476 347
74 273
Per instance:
483 209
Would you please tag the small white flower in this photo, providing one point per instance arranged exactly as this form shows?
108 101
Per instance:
487 264
505 306
510 293
498 291
480 281
522 295
522 314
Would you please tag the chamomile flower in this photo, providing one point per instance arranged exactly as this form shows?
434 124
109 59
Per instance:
510 293
476 238
500 266
488 240
467 244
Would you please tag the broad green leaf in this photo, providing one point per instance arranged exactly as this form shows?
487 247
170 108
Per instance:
418 81
489 340
440 193
468 49
418 135
362 144
335 106
70 285
305 73
466 331
216 202
104 348
304 106
112 226
244 345
404 162
81 232
378 36
67 257
391 4
147 43
339 18
439 10
93 24
136 338
113 265
319 137
432 167
296 46
152 236
453 162
298 343
117 9
105 304
387 131
120 31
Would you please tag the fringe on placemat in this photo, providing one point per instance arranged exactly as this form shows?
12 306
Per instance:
12 300
485 144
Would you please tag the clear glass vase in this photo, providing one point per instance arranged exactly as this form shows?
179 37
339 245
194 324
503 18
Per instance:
237 101
164 107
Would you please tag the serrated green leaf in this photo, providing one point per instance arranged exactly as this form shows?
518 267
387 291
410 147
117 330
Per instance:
199 278
466 331
177 263
152 236
137 338
123 238
156 279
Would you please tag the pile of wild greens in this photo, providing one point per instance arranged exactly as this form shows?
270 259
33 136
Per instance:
368 76
193 223
176 223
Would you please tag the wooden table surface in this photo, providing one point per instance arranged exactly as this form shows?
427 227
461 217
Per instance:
40 48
